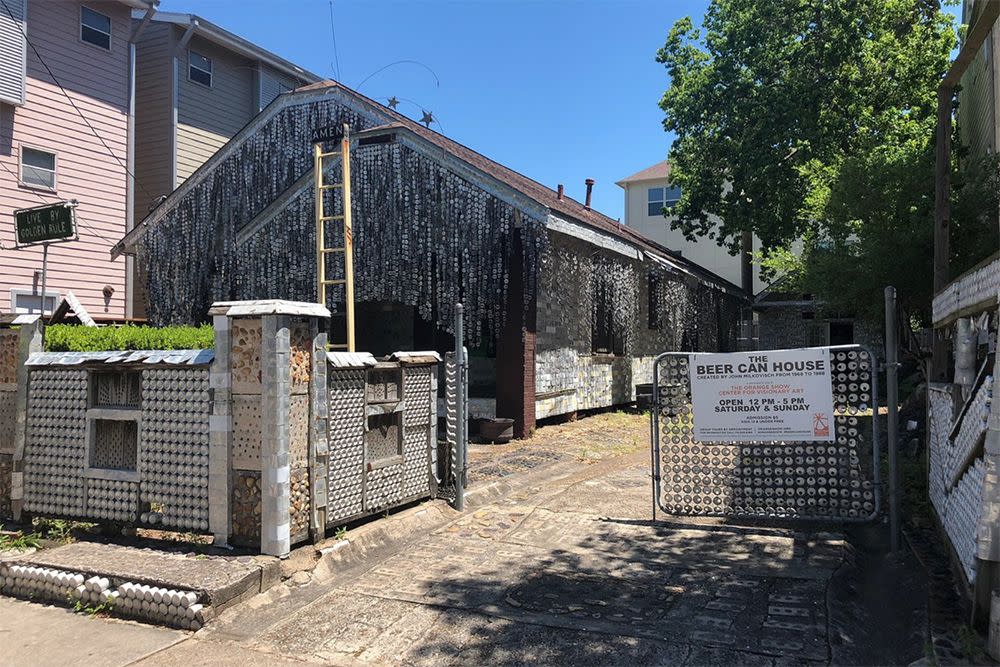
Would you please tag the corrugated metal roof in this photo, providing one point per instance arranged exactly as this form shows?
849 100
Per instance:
166 357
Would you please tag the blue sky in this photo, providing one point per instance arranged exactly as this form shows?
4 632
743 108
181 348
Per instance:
558 90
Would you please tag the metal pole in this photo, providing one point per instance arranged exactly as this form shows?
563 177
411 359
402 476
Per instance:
45 273
462 425
892 405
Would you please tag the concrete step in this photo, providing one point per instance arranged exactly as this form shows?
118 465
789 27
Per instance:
183 591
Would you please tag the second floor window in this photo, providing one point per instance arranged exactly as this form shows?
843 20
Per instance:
199 68
95 28
661 198
38 168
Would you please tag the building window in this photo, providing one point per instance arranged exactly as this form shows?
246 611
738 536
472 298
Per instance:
38 168
95 28
27 300
661 198
199 68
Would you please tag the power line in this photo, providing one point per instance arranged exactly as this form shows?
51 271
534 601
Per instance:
72 103
333 31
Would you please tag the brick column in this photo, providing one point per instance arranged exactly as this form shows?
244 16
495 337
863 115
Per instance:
319 447
30 341
516 351
220 432
275 472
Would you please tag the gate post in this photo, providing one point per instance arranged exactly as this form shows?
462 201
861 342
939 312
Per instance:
892 405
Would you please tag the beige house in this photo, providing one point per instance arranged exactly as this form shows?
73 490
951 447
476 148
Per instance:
197 85
647 193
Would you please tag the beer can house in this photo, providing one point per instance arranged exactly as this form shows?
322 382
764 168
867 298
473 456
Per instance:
565 308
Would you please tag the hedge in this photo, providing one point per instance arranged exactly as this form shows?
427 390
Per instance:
76 338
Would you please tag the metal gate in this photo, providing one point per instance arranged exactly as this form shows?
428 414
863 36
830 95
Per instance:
803 480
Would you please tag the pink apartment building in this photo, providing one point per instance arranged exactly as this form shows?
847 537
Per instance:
66 90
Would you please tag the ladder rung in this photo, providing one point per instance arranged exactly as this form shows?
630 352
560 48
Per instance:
331 186
340 281
327 218
330 154
337 346
326 250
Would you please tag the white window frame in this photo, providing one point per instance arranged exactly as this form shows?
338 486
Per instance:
664 201
28 291
210 71
20 168
109 33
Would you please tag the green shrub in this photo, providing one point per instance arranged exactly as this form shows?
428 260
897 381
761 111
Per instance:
76 338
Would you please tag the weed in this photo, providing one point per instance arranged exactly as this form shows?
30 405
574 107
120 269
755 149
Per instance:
57 530
17 540
102 609
972 644
340 533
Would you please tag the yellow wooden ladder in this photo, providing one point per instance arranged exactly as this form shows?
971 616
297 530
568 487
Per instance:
347 249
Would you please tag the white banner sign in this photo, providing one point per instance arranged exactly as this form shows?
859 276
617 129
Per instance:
769 395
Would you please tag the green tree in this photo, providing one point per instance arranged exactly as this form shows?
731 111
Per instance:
812 120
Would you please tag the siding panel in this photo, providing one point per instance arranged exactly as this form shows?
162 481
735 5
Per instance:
208 117
85 170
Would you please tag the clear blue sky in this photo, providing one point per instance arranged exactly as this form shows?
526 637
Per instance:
559 90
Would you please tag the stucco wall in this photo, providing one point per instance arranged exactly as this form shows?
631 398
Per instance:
705 252
86 169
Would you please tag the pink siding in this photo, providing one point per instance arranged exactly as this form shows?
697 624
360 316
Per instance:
97 82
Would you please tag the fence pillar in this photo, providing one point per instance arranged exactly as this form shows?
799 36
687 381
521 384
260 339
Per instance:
319 446
269 423
220 433
29 342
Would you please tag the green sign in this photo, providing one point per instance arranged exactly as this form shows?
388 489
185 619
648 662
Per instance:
54 222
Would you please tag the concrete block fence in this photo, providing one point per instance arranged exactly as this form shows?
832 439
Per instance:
264 442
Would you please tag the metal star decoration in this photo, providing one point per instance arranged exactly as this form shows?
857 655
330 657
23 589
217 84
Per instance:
427 119
393 102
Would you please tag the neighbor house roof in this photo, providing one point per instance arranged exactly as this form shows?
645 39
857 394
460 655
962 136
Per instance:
219 35
547 197
658 172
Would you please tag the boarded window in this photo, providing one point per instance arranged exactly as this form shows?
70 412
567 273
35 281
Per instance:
654 298
115 445
13 54
384 438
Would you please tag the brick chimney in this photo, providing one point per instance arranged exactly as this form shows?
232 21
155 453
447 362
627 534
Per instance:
590 188
559 192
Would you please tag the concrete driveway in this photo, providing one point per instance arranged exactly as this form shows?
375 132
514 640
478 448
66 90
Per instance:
566 567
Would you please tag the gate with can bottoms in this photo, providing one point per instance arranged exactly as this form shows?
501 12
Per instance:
836 480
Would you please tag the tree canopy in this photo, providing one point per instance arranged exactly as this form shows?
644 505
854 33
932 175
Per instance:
812 120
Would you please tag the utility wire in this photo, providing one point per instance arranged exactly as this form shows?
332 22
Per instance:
72 103
333 32
437 81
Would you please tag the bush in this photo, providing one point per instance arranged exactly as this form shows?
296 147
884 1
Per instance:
76 338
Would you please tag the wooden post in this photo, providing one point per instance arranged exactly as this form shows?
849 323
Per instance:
345 157
942 190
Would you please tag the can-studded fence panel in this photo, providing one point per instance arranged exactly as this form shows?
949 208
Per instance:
957 465
814 480
107 440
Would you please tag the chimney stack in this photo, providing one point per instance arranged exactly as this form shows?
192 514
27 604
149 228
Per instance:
559 192
590 188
